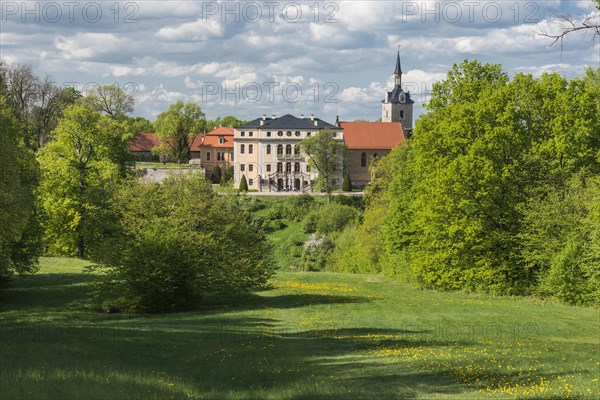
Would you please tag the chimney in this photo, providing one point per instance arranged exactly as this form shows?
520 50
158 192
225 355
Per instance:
312 117
301 116
337 120
316 122
273 116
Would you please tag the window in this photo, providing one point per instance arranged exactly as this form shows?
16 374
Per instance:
242 148
279 149
297 133
297 150
288 167
268 134
242 133
289 133
242 167
288 149
387 114
199 155
250 134
401 113
268 167
220 156
221 140
250 148
280 133
307 168
334 134
250 167
297 167
208 156
231 156
250 182
307 134
268 149
279 167
363 159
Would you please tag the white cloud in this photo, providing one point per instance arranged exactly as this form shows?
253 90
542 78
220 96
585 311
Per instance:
192 31
84 46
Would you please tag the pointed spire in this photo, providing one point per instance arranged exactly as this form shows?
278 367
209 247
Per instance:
398 70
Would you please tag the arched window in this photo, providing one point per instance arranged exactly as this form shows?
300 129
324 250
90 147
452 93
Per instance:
363 159
297 150
250 149
268 149
279 149
297 167
288 149
279 167
242 148
288 167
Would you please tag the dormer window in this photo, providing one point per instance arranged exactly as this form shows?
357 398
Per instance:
242 133
221 140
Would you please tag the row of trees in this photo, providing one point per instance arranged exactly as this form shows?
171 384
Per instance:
498 191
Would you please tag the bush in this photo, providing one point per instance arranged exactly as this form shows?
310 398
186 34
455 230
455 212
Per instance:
176 242
310 222
243 184
335 217
315 253
346 183
297 207
216 175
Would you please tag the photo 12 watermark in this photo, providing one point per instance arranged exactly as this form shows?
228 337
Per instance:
60 12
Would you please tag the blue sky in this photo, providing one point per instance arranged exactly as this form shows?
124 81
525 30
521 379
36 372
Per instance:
273 57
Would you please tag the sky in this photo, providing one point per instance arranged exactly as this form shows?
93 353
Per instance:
249 58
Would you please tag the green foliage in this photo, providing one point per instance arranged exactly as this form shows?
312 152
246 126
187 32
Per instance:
177 127
316 250
346 183
330 218
216 175
176 242
228 175
79 171
326 155
477 199
243 184
20 233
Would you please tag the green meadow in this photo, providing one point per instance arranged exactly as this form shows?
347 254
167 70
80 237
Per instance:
310 335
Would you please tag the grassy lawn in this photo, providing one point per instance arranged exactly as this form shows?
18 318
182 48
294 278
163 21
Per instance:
313 335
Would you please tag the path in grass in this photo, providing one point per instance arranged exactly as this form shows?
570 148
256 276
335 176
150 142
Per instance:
314 335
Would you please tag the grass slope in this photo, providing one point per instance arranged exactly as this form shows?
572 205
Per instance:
313 335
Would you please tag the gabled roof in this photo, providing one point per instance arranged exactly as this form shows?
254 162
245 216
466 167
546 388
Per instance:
372 135
211 139
144 141
289 122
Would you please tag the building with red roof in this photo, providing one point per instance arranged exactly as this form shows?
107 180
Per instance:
141 147
365 142
214 148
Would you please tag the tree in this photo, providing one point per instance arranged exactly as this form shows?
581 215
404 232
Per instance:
243 184
112 100
326 155
177 241
79 170
346 183
228 120
22 93
216 175
19 236
50 103
177 127
568 24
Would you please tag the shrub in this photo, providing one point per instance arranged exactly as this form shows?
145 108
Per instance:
335 217
315 252
310 222
216 175
243 184
346 183
176 242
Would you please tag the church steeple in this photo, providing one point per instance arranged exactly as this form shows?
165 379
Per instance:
398 71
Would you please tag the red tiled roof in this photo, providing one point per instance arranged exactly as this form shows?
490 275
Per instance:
372 135
212 139
144 141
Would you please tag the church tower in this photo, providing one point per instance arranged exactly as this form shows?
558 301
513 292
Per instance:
397 105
